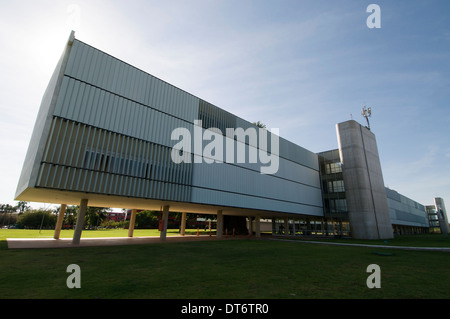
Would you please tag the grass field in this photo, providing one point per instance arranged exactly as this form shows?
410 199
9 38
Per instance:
250 269
46 233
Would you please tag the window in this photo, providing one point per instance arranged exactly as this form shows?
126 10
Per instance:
339 205
336 186
332 168
114 163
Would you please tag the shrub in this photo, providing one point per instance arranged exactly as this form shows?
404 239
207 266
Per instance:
37 218
146 219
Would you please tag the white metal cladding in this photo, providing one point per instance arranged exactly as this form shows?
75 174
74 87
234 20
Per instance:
292 187
287 149
298 154
221 198
405 211
41 128
252 186
90 105
99 69
110 133
287 169
80 157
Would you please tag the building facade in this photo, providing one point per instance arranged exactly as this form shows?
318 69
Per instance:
406 215
437 216
104 136
110 135
364 185
335 210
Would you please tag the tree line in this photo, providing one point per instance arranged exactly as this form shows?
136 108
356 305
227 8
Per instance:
23 216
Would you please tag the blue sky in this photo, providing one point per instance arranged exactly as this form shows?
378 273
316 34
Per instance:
300 66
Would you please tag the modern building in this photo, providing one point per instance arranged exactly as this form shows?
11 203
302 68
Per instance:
104 136
405 215
116 216
110 135
437 216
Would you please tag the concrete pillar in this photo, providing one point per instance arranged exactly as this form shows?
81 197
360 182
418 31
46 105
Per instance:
165 220
132 222
286 226
183 224
219 230
62 211
80 222
258 226
250 226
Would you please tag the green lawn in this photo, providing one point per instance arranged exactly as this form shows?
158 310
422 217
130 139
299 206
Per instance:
45 233
426 240
255 269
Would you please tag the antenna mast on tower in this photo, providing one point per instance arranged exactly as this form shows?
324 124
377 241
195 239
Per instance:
367 113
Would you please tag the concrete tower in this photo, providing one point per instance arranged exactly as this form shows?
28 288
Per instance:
442 214
363 179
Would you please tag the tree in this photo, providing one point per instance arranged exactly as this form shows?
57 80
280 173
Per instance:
95 216
147 219
7 216
22 206
37 218
69 216
6 208
259 124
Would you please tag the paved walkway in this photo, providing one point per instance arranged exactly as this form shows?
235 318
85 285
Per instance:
446 249
23 243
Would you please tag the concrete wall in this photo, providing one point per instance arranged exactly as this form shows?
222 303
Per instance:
363 179
442 215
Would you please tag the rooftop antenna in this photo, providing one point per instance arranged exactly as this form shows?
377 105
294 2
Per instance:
367 113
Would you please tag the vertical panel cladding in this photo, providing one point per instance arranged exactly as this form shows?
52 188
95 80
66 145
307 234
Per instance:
84 158
212 116
87 104
301 188
237 180
406 211
70 111
92 66
158 95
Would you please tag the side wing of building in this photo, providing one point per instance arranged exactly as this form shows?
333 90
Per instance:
405 211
